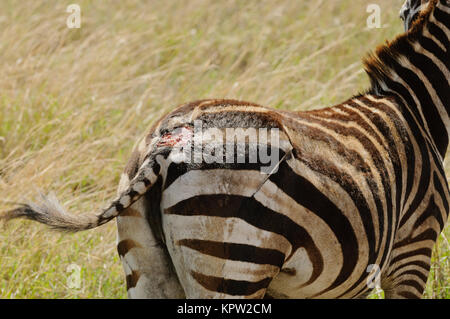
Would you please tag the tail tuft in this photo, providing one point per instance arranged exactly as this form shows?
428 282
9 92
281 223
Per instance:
50 212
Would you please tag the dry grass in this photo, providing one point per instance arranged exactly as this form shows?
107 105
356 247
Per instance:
74 101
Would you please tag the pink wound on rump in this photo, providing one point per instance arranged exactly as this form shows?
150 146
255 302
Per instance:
180 136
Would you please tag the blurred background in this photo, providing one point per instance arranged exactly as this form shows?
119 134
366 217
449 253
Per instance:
73 102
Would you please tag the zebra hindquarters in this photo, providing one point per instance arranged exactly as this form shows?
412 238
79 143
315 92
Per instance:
218 239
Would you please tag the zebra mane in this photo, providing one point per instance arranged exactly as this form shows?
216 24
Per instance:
378 64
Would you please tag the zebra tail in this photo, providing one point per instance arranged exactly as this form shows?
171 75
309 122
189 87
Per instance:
51 213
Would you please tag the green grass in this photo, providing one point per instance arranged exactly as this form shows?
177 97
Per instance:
74 101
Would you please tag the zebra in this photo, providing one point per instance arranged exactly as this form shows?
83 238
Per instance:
353 187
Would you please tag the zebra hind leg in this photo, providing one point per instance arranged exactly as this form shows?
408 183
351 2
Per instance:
407 278
148 269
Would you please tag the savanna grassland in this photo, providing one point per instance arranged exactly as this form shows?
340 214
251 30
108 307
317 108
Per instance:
74 101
